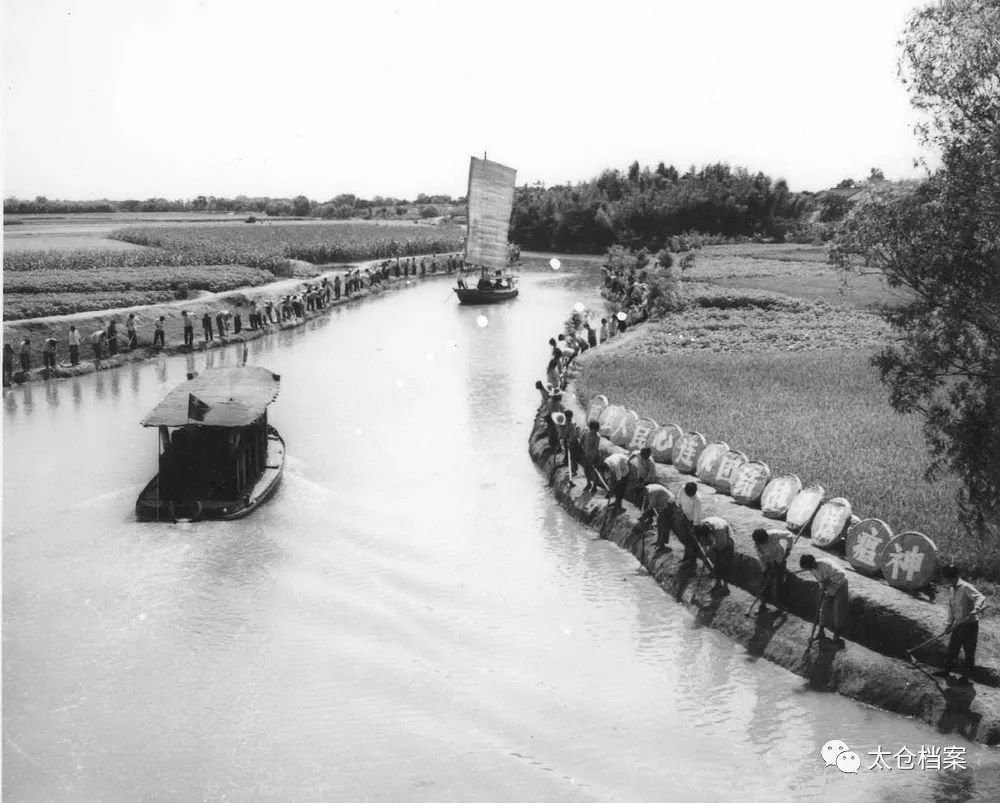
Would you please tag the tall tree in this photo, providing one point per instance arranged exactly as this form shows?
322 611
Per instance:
941 243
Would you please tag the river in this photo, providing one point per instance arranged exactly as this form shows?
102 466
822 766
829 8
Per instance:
411 617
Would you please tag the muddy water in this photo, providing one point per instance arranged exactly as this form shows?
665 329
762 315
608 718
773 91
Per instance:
411 617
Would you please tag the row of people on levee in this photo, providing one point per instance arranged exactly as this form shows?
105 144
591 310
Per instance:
632 477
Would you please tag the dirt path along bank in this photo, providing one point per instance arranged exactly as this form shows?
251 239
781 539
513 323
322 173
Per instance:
37 330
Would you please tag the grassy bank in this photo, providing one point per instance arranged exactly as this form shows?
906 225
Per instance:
38 329
786 379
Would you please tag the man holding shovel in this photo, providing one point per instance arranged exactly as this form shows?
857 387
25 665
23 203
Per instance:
965 604
772 552
833 595
659 501
590 444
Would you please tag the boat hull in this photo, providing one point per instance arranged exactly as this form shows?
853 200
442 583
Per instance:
473 296
150 507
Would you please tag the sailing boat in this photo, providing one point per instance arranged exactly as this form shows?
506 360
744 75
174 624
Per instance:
491 197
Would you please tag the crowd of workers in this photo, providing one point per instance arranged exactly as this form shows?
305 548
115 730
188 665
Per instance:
223 323
624 287
633 477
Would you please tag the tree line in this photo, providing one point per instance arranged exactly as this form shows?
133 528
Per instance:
643 208
345 205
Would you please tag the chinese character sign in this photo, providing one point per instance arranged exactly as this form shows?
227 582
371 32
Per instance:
662 441
778 495
687 451
865 541
641 432
909 561
622 433
830 522
750 481
709 459
597 404
609 418
803 507
726 470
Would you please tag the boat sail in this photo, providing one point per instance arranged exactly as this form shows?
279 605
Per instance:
490 199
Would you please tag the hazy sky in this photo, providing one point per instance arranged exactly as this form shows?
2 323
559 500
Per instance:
175 98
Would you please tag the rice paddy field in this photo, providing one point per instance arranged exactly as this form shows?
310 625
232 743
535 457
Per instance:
785 377
316 243
83 263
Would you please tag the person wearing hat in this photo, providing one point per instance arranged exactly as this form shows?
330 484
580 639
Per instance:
133 340
74 346
717 540
554 419
159 335
833 594
618 467
622 321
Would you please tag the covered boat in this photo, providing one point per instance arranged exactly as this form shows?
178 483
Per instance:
219 458
491 197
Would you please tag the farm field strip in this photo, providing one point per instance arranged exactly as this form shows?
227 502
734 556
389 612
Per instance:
147 261
319 244
786 378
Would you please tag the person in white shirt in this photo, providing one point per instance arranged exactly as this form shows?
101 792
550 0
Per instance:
965 604
74 346
833 588
618 469
642 472
659 501
689 518
95 340
717 540
772 552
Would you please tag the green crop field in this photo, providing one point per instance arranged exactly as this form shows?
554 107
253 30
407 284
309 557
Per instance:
786 379
18 306
142 263
262 245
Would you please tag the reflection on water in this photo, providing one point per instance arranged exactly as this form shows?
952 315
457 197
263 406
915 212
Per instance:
410 617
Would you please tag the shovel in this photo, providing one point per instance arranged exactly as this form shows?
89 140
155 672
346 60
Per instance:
909 652
758 598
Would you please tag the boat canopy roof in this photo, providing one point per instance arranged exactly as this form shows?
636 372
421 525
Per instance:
220 397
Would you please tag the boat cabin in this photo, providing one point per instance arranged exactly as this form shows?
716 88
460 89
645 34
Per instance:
215 445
